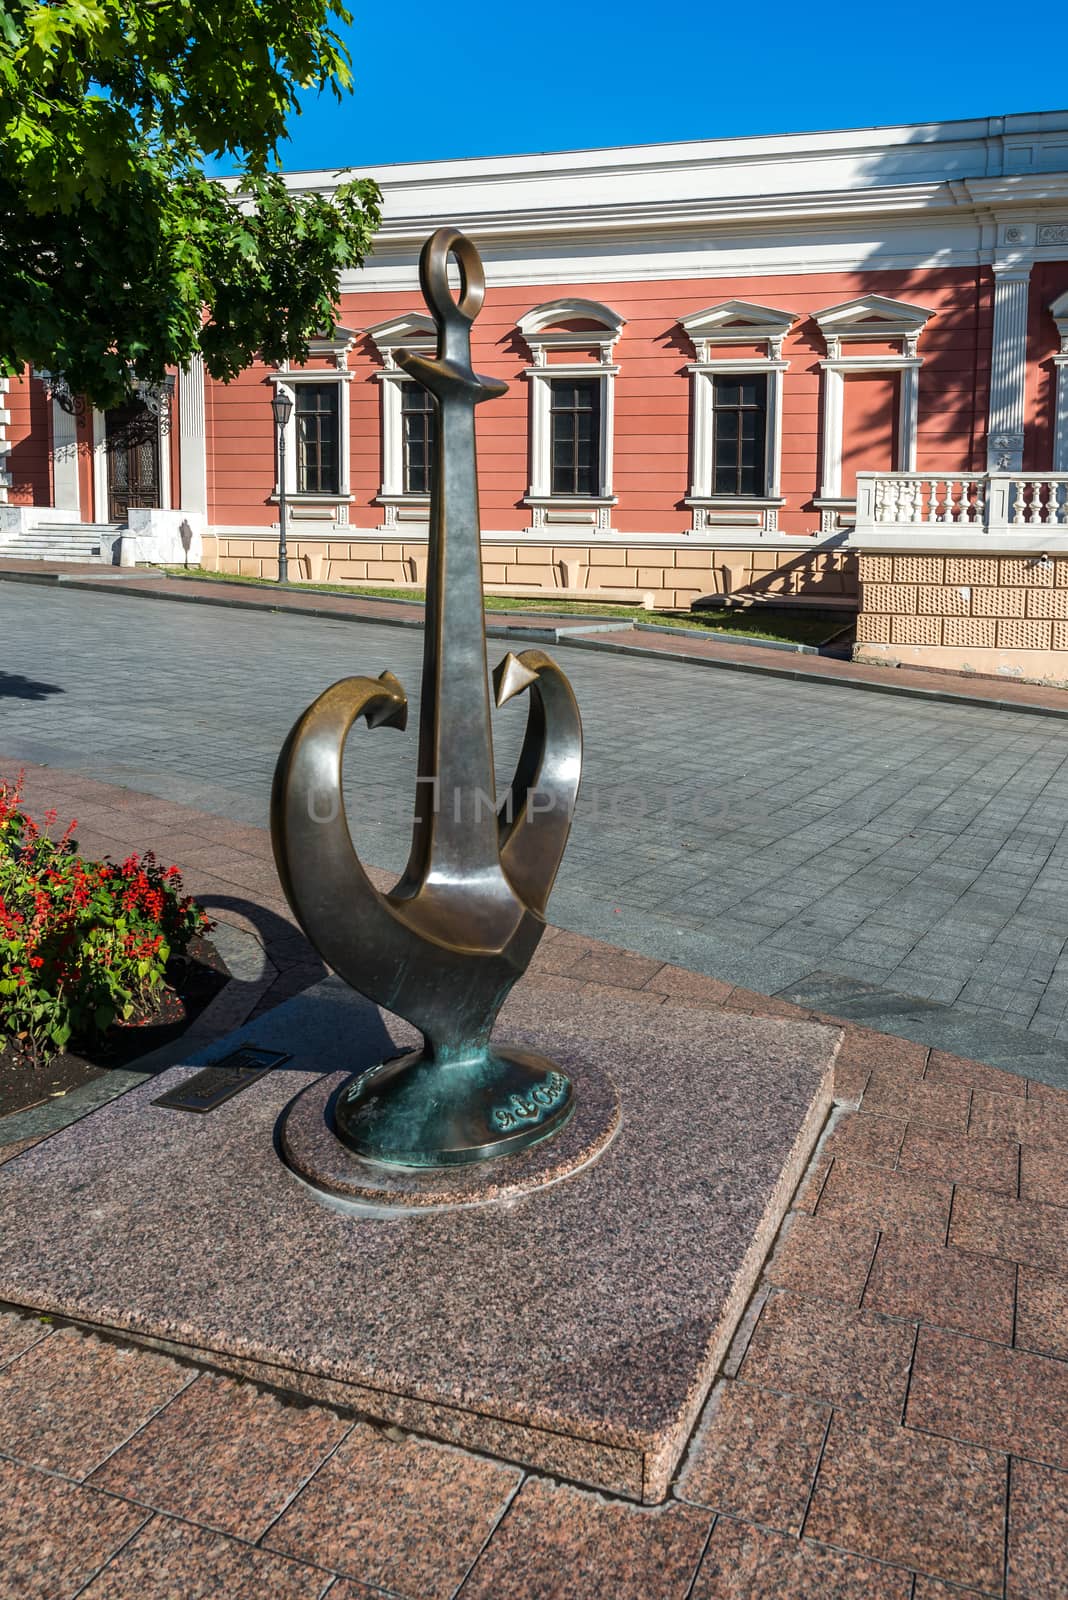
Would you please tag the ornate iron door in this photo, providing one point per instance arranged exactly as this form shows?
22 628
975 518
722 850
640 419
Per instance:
132 434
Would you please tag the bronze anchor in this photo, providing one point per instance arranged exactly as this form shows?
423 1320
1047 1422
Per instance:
445 945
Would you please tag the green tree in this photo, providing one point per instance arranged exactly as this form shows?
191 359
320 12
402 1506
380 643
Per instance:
118 255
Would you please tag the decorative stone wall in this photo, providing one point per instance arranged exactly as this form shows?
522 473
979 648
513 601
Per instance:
657 576
1001 614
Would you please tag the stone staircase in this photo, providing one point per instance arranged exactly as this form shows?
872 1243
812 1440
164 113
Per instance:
63 541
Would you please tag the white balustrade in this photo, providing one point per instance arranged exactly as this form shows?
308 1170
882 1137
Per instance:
963 502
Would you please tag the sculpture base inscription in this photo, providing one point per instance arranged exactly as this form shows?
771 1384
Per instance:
418 1111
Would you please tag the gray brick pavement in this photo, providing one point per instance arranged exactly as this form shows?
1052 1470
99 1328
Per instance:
767 831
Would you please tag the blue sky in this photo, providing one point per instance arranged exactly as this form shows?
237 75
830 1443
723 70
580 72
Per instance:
436 80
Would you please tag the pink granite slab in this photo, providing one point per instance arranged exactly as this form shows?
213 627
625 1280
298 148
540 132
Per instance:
577 1328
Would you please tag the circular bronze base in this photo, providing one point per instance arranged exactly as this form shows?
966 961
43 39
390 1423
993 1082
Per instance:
418 1112
309 1145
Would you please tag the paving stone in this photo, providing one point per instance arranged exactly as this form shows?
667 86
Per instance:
1044 1176
170 1559
850 1359
872 1139
873 1197
55 1535
397 1512
896 1093
621 969
690 986
943 1068
557 1542
224 1454
18 1330
613 993
811 1186
1009 1400
864 1050
1042 1313
913 1500
961 1158
822 1259
935 1589
756 1456
1039 1122
71 1400
927 1283
747 1563
1038 1532
1018 1230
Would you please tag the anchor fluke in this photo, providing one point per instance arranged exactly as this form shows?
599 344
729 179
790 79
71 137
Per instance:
511 677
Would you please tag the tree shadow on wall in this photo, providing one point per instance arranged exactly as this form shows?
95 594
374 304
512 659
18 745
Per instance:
13 686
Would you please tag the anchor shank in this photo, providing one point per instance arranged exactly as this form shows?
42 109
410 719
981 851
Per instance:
455 824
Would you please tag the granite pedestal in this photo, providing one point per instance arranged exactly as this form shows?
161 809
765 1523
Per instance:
575 1327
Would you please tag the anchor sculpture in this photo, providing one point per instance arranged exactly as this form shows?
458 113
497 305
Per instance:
446 944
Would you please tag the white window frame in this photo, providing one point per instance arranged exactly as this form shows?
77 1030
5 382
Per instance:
734 322
1059 312
289 379
870 317
541 332
414 331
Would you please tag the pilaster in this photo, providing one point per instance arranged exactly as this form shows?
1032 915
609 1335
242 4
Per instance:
1005 428
66 495
192 438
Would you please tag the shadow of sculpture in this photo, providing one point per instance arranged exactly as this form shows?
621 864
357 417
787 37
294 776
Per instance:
13 686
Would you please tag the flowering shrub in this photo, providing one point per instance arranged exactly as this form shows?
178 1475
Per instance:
82 943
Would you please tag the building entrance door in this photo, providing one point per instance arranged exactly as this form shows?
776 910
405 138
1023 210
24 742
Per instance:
132 438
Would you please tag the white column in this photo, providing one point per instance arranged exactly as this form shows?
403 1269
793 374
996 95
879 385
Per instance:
1060 427
192 438
1005 428
65 493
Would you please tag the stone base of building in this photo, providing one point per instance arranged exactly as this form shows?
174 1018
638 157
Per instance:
1029 666
975 610
653 573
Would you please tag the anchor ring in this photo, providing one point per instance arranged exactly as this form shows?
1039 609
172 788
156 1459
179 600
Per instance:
434 277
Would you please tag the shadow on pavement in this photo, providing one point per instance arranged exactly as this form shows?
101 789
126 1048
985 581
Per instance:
15 687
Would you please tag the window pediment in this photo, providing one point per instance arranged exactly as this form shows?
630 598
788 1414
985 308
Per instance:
570 325
737 322
413 331
872 316
335 345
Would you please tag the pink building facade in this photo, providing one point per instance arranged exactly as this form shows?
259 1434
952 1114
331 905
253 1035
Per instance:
738 365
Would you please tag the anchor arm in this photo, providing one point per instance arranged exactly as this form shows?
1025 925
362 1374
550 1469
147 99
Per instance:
345 917
535 818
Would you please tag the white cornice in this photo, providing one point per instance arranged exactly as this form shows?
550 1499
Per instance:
713 207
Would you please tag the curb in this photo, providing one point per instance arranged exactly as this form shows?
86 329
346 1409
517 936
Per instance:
572 641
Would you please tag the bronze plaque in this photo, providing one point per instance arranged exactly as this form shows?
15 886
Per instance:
207 1089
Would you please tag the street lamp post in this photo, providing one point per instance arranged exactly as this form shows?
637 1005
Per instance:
282 406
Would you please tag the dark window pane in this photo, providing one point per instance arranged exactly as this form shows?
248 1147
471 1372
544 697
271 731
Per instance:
575 434
318 424
739 434
420 435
